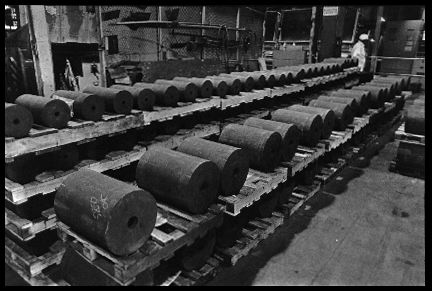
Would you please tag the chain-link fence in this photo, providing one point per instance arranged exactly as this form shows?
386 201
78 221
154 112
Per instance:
152 44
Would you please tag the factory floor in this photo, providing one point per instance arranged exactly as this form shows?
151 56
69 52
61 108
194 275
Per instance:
370 234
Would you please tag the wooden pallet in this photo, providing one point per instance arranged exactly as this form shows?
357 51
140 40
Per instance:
299 196
231 101
406 171
257 184
402 135
302 158
161 246
28 264
49 181
260 229
25 229
42 279
330 170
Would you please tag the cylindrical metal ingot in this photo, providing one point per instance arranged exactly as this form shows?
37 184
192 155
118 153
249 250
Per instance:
271 80
25 168
188 90
280 77
185 181
166 94
355 108
195 256
378 95
144 98
296 73
118 101
232 162
344 115
84 106
396 89
415 120
46 111
362 97
247 82
65 158
403 81
327 115
234 84
289 132
263 147
205 86
18 120
220 87
310 125
258 78
106 211
391 91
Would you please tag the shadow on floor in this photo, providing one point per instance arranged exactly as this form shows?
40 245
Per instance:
245 271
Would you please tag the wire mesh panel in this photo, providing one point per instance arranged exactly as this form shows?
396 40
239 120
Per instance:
253 21
221 15
182 43
140 44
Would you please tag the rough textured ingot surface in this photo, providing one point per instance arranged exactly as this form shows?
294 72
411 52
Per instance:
144 98
117 101
362 97
247 82
327 115
263 147
112 214
396 86
289 132
391 91
65 158
378 95
18 120
25 168
232 162
258 78
205 85
280 77
187 182
415 120
166 94
46 111
310 125
403 81
188 90
344 115
233 84
355 108
195 256
84 106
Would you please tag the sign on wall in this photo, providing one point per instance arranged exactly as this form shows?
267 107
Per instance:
330 10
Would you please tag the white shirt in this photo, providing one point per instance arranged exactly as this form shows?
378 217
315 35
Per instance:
359 52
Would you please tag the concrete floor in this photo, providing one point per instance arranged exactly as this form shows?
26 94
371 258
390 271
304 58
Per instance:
370 234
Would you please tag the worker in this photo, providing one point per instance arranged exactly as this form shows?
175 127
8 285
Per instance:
359 51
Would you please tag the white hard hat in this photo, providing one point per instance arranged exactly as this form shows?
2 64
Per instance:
363 36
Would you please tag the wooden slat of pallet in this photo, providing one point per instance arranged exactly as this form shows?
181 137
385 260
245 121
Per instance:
25 229
124 269
257 184
244 245
402 135
30 264
17 193
292 207
302 158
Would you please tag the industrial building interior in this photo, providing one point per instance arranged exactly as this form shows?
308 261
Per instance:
231 145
